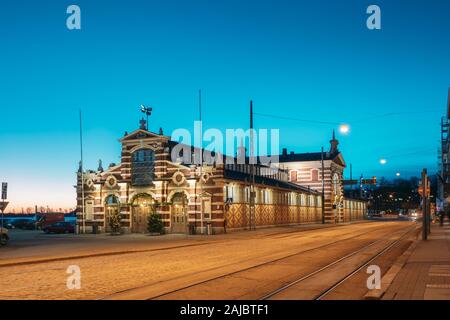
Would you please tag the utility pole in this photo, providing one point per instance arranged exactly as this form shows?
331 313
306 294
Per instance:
252 168
323 188
361 186
82 175
4 197
424 205
35 216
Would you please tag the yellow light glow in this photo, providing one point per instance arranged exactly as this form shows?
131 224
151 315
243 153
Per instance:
344 128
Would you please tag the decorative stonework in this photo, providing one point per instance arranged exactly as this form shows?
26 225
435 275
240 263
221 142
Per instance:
111 182
89 183
205 177
178 178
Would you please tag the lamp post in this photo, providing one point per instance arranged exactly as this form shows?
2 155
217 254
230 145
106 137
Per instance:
425 221
323 187
4 196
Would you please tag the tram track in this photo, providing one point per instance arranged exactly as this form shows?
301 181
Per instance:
340 281
170 293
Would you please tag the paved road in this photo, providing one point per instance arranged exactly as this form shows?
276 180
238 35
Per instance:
143 267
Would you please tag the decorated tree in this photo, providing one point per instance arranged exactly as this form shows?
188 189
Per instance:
155 223
115 222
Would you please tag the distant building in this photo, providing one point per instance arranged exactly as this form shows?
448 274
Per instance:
194 198
305 169
443 194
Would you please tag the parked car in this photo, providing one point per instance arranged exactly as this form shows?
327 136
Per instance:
375 215
8 224
4 238
60 227
47 219
30 225
21 223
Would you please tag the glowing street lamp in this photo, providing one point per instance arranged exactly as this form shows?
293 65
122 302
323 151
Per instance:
344 128
398 174
383 161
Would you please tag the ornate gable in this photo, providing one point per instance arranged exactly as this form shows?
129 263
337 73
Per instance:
139 134
339 160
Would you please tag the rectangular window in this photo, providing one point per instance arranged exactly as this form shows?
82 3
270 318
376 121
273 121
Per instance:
247 194
293 175
228 193
207 208
89 209
314 175
142 167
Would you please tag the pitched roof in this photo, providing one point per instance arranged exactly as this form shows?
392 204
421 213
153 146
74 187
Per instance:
313 156
242 176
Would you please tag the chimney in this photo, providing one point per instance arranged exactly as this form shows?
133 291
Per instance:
284 152
292 153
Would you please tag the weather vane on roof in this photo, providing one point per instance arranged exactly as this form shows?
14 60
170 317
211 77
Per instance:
147 111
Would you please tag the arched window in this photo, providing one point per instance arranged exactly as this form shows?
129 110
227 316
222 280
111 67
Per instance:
142 200
111 200
179 198
336 185
143 167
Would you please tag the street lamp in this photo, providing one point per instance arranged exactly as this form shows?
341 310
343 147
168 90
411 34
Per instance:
383 161
344 128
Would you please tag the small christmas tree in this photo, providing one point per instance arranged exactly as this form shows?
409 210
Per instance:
155 223
115 222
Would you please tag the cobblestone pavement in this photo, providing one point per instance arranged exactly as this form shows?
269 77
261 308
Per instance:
102 276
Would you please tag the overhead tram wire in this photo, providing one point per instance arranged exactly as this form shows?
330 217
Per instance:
390 114
294 119
419 151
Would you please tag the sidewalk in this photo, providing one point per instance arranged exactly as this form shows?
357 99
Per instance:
426 273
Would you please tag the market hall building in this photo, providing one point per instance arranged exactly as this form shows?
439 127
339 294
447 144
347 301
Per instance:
210 198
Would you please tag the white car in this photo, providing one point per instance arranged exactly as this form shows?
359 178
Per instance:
4 236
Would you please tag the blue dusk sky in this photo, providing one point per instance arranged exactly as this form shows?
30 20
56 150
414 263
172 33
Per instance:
313 60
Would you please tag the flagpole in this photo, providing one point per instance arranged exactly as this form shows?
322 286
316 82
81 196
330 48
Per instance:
82 175
201 160
252 175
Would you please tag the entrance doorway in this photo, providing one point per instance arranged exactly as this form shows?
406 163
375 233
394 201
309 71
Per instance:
179 213
142 207
112 211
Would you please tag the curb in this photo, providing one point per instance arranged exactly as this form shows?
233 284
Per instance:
390 275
